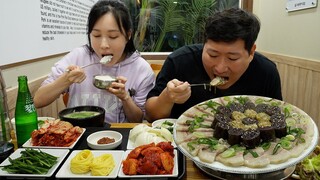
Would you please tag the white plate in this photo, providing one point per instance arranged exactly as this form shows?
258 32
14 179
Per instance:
246 170
65 171
130 144
13 120
46 118
61 153
174 172
28 143
158 123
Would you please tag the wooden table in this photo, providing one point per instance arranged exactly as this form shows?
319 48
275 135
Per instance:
192 171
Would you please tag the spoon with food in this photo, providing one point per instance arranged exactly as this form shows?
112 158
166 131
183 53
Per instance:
103 60
217 81
106 59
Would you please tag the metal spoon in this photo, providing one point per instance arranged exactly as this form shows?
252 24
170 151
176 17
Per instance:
104 60
214 82
203 84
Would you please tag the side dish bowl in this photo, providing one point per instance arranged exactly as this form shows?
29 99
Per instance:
84 116
93 139
103 81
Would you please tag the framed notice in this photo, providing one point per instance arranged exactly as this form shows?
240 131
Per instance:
39 28
295 5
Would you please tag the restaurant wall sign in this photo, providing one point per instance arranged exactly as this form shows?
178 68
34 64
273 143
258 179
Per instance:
295 5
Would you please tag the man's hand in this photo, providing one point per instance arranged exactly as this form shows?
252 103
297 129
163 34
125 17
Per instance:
177 91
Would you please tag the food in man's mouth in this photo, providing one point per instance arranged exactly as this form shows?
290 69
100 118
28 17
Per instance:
106 140
218 81
106 59
229 128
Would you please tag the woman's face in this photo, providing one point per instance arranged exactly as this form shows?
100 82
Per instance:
226 59
107 39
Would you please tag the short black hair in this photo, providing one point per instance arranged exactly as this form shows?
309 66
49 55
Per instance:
232 24
120 13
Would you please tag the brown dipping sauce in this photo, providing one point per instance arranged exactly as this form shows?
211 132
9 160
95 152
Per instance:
106 140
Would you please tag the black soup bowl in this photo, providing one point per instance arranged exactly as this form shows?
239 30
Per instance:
84 116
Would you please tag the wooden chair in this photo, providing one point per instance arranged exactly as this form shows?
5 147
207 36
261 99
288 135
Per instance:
156 68
65 97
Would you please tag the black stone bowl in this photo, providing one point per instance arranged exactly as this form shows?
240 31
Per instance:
92 121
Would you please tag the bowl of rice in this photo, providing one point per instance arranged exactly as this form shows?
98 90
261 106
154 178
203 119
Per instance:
103 81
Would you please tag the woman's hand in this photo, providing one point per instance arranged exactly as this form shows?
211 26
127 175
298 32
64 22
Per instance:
75 74
118 88
177 91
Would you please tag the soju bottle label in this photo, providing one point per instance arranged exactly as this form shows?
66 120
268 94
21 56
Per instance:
29 108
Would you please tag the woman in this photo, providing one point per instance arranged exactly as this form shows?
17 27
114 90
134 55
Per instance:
110 33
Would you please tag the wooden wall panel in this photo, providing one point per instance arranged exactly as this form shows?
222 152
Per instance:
300 79
314 108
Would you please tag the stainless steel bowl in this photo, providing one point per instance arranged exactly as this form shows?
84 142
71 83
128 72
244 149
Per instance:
103 81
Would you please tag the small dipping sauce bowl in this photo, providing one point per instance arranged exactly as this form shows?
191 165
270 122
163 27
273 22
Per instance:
93 139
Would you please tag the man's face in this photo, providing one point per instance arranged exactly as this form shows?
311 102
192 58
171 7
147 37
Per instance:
226 59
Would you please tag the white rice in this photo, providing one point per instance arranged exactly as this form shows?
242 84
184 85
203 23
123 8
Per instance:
105 59
104 78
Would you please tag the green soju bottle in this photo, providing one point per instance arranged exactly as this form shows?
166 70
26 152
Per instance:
26 117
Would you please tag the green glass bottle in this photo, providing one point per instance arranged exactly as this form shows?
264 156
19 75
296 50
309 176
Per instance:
26 117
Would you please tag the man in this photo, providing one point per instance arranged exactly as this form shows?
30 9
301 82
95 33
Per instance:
228 52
